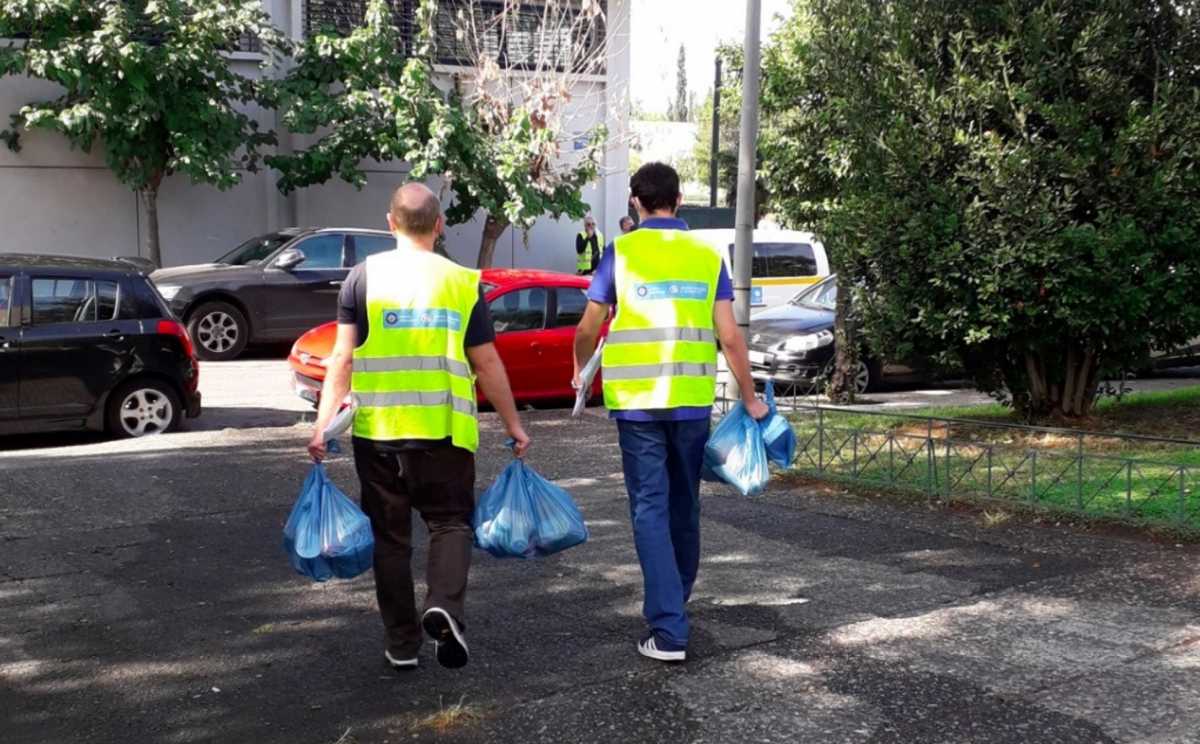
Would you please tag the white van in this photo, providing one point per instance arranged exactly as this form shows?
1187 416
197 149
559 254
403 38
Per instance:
785 262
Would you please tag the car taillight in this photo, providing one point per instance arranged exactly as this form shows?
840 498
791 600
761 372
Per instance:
176 329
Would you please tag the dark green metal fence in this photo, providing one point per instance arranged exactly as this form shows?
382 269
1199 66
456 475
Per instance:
1133 479
1138 480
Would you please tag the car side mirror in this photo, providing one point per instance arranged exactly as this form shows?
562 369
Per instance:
290 259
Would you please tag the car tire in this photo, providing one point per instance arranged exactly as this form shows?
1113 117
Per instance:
219 331
866 376
143 407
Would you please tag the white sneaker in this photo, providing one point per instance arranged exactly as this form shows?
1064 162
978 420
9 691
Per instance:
649 648
451 646
400 663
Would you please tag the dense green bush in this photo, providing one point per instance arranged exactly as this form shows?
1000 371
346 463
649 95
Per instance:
1013 186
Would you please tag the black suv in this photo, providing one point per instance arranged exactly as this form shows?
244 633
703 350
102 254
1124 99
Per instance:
271 288
89 344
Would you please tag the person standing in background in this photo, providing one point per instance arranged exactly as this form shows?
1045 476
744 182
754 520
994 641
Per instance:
588 245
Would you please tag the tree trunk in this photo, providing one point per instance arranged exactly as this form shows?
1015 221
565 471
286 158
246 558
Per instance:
493 228
150 241
841 382
1057 382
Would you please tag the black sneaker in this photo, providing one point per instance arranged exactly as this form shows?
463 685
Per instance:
443 629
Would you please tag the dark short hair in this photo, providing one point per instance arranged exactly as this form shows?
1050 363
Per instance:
415 210
656 187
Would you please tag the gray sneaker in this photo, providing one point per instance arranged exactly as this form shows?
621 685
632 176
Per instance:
402 664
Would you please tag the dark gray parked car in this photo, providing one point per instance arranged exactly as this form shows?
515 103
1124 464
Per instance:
271 288
792 345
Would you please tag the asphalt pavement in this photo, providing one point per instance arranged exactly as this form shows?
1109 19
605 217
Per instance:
144 597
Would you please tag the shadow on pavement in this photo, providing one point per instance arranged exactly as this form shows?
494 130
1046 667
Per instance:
237 417
216 418
147 598
19 442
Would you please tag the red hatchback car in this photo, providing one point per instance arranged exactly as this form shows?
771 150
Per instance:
535 314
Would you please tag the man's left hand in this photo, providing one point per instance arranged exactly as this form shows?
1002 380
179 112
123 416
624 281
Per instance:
757 409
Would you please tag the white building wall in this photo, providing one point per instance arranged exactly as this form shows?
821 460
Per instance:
55 200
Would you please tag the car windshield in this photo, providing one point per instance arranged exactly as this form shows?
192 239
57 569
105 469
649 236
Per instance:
823 296
255 250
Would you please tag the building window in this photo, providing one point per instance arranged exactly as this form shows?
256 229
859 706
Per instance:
522 43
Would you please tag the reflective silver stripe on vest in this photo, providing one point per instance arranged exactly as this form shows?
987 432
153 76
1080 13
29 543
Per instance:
413 364
648 335
381 400
670 369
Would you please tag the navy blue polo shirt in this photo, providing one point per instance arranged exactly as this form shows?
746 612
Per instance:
604 290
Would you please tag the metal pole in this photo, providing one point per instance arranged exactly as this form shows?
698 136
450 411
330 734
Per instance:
744 236
716 138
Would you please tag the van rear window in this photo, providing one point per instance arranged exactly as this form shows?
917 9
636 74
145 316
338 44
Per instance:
781 259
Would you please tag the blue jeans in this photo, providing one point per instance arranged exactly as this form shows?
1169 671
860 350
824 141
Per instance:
662 462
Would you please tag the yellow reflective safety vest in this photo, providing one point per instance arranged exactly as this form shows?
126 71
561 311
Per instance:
583 261
661 349
411 377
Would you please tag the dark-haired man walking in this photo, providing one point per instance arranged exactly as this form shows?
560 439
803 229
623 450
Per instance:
673 301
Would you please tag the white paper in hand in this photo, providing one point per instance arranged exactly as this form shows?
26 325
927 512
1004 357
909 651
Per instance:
340 423
587 376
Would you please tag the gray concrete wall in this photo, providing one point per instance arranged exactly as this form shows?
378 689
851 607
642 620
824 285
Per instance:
55 200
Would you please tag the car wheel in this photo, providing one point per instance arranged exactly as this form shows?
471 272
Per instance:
143 408
219 330
865 377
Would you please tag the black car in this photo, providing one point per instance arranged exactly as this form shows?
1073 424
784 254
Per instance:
271 288
792 345
89 344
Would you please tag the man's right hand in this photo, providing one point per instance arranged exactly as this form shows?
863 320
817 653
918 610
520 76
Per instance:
317 447
520 440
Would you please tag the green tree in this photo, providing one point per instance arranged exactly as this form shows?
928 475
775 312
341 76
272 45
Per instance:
496 139
1012 186
149 81
677 109
729 136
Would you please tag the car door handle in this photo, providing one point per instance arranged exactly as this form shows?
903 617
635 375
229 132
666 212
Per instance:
335 283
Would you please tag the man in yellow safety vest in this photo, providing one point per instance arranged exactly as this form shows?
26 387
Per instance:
673 301
413 332
587 247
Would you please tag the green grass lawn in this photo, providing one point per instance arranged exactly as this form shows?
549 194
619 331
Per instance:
1084 467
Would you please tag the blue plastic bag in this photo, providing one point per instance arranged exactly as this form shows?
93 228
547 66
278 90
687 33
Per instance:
778 438
326 534
735 453
523 515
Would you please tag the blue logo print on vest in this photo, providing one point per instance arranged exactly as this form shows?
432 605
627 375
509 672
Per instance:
410 318
672 291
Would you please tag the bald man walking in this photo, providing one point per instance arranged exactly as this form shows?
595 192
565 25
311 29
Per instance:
412 328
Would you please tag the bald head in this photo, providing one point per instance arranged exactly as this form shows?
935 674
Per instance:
415 211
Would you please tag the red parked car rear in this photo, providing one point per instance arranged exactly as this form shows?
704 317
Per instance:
535 314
